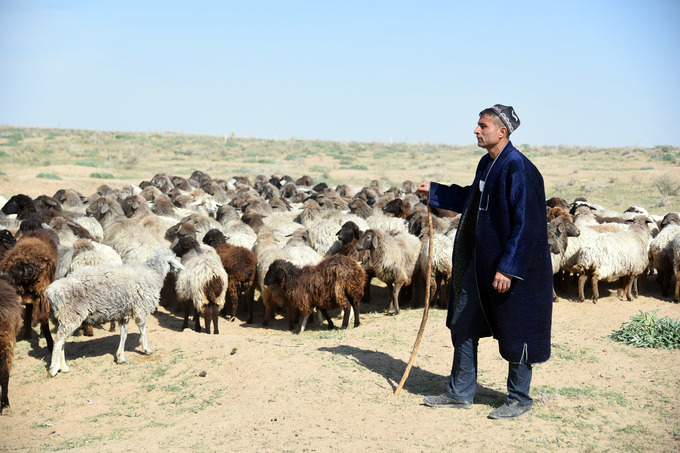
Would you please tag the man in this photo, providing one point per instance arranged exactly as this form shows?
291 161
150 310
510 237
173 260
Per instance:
502 276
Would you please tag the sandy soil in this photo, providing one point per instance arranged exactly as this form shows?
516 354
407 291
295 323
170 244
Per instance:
252 388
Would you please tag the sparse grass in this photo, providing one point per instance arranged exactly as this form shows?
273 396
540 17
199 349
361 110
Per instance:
86 163
100 175
48 176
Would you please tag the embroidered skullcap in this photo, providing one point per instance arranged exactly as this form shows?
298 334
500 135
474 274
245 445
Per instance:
508 116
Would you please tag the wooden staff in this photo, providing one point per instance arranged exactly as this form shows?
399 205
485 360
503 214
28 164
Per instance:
427 303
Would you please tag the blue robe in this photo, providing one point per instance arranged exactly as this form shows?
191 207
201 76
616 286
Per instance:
505 226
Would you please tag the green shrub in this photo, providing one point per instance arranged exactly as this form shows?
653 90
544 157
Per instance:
647 331
358 167
86 163
48 176
2 173
319 168
100 175
3 154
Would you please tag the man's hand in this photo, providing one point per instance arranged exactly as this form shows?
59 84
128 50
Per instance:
501 282
423 188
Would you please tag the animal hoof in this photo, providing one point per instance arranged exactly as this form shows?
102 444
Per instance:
52 372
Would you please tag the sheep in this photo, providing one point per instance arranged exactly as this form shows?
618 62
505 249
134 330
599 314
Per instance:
676 267
441 266
348 236
299 248
335 282
393 259
98 294
267 250
613 255
240 264
10 323
202 284
133 244
661 250
136 209
32 265
7 241
559 230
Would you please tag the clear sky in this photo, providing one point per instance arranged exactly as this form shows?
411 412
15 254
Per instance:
586 73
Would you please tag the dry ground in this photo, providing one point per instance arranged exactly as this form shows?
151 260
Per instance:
264 389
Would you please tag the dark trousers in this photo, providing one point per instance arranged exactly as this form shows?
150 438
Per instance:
466 325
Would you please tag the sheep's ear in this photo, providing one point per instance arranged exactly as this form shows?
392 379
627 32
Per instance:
280 274
135 204
105 208
375 242
357 233
50 202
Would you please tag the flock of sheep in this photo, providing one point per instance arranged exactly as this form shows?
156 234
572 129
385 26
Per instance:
204 246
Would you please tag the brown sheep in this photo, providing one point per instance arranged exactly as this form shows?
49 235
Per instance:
349 235
336 282
241 266
32 265
10 323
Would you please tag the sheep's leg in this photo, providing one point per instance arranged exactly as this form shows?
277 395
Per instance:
328 319
346 314
28 316
45 332
234 304
185 324
596 293
120 353
394 303
142 330
581 286
207 315
250 300
215 316
676 299
390 295
4 386
367 291
303 323
197 321
58 362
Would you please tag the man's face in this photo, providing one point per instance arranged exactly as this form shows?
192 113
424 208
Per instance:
488 132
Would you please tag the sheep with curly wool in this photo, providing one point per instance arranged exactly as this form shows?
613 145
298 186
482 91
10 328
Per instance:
99 294
32 264
202 285
676 267
10 323
240 264
335 282
560 229
393 260
267 250
440 272
613 255
133 244
661 250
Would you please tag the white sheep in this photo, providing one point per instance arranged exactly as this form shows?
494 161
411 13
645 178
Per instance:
440 272
132 243
202 284
393 260
98 294
676 267
613 255
661 250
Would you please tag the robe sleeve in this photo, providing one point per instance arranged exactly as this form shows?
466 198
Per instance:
448 197
525 220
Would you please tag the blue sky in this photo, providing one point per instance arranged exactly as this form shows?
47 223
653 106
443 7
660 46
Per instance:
585 73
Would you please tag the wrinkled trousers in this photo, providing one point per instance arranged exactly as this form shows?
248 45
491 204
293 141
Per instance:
466 325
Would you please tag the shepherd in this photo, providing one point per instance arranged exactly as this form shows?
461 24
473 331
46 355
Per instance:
501 284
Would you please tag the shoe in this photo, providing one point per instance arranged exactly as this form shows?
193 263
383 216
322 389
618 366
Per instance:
445 400
510 410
